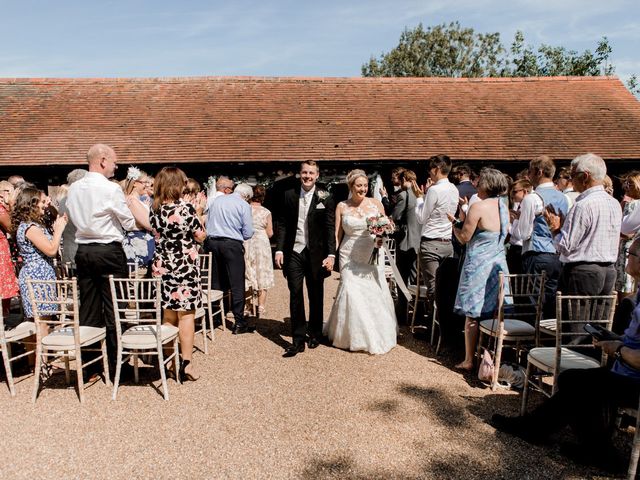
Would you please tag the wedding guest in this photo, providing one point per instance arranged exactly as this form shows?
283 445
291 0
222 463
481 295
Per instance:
15 180
191 191
565 185
462 177
433 206
538 249
259 265
519 189
9 284
177 231
138 244
362 317
224 186
484 231
631 201
37 246
589 235
230 224
69 245
98 209
389 203
607 183
407 236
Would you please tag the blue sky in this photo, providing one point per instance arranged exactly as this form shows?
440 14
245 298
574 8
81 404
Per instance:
143 38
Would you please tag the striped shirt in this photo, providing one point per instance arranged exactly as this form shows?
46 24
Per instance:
591 230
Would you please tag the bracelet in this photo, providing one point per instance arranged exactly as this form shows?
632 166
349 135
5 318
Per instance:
618 353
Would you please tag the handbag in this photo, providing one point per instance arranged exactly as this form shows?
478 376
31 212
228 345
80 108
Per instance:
485 371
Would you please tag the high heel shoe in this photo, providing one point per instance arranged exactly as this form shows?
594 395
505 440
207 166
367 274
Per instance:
184 376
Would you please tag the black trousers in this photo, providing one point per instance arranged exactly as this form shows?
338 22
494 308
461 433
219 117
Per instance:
583 278
536 263
299 269
94 263
228 272
586 400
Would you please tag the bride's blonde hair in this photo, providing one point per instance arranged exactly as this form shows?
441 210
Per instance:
353 175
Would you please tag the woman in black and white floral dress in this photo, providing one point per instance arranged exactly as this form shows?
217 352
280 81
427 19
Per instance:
177 231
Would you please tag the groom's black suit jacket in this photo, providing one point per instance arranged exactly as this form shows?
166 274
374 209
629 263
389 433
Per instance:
320 226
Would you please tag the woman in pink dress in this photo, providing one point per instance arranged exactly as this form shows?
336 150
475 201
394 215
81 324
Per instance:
9 284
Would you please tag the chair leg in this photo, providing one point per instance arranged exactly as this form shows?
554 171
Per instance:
223 314
205 337
163 373
7 369
176 359
37 373
211 326
525 390
496 362
433 324
116 377
67 369
79 375
105 363
635 452
136 373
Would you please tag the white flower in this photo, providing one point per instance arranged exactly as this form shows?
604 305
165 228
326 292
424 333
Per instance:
322 195
139 246
133 173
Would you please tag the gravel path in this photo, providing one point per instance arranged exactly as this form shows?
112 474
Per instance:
323 414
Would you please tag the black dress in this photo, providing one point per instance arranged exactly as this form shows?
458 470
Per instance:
176 257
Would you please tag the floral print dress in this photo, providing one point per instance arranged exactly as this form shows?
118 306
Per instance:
36 266
139 245
176 256
9 283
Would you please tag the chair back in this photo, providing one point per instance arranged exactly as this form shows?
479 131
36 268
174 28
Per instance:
64 270
391 245
136 301
206 270
573 312
55 304
523 299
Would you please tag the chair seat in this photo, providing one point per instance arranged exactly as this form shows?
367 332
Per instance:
544 359
200 312
143 336
23 330
63 339
413 289
512 328
549 326
209 296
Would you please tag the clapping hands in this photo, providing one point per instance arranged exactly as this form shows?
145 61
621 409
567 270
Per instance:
554 219
60 223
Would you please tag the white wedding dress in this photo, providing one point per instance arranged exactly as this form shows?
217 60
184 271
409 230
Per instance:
363 316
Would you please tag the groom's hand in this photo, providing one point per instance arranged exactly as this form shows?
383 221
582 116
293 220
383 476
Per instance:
279 259
328 263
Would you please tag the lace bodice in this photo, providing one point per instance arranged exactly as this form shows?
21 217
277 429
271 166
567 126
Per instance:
357 243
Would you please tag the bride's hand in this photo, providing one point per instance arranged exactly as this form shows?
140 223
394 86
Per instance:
378 242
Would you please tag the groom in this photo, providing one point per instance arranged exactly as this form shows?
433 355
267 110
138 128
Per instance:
306 246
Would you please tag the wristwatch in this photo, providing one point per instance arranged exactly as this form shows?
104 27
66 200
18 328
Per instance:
618 353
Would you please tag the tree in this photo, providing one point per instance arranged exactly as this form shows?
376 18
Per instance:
440 51
454 51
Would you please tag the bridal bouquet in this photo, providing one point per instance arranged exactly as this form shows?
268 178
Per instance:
379 226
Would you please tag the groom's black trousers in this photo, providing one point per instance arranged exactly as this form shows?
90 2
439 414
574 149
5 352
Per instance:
299 270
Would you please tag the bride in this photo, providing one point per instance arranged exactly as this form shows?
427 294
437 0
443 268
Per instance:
363 316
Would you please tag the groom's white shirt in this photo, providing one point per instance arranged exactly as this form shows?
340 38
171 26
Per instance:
303 209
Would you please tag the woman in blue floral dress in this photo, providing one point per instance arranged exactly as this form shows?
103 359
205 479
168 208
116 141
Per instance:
484 231
36 245
138 245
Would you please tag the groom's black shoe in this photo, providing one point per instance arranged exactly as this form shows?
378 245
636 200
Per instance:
293 350
313 342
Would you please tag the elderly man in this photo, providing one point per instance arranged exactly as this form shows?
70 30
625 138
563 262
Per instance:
224 186
587 239
538 250
586 396
230 224
98 209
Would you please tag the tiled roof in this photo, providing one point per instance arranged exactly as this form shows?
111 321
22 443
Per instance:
220 119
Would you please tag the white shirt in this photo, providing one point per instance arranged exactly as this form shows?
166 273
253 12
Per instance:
431 210
303 209
531 206
98 210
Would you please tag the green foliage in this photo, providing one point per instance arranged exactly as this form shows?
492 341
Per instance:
454 51
633 84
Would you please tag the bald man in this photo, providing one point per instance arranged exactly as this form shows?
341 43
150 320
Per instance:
98 209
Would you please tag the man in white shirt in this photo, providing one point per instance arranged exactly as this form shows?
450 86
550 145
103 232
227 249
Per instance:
99 211
440 199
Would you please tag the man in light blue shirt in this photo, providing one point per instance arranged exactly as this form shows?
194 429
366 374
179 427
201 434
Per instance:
229 224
